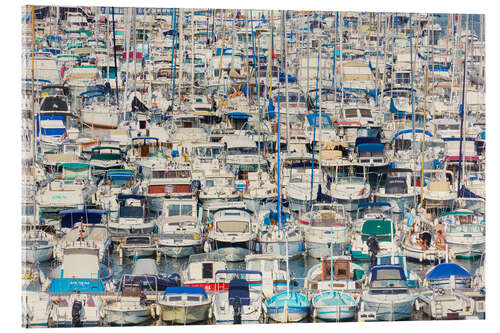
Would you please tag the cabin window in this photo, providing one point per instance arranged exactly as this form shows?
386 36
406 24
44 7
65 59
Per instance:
207 271
389 274
142 124
174 298
351 113
365 113
193 298
403 78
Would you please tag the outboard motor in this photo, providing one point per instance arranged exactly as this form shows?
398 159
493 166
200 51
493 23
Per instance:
76 314
373 248
237 310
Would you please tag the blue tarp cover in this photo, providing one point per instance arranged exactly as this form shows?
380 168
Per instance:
239 288
445 270
371 147
238 115
53 131
185 290
63 285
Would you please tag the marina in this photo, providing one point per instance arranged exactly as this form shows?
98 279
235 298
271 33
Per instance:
224 166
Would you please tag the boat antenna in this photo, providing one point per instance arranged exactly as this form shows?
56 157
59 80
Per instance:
423 140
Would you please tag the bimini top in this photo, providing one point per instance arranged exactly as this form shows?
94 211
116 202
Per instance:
417 130
238 115
73 165
122 196
71 217
185 290
387 272
445 270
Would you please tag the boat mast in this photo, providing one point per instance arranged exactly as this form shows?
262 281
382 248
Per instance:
410 30
423 140
181 54
106 36
173 60
285 61
314 132
462 115
134 52
114 56
33 134
127 48
257 86
192 54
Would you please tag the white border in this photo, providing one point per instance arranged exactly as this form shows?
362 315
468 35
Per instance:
11 124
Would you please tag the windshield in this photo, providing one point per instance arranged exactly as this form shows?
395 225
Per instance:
131 212
232 226
242 151
180 210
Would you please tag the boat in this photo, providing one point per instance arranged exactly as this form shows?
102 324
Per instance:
325 226
272 238
334 306
464 233
439 191
388 294
76 289
346 275
396 186
273 276
185 305
130 306
376 235
179 228
420 247
37 246
448 275
238 303
71 189
137 246
200 271
287 307
349 191
232 235
103 158
445 296
132 216
412 278
84 227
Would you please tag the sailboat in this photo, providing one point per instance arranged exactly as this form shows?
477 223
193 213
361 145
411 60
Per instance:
286 306
332 304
